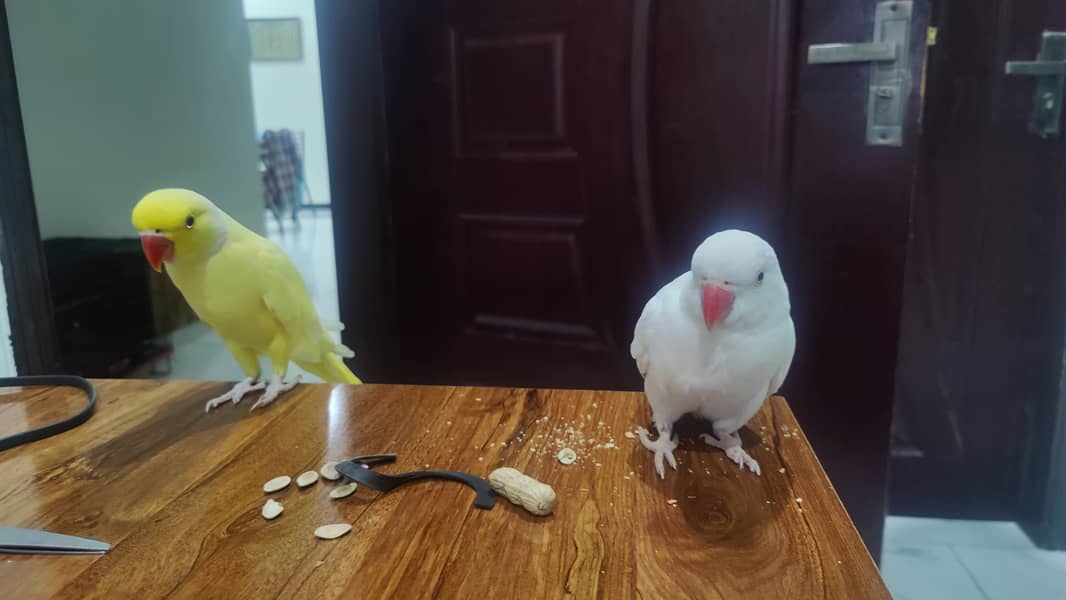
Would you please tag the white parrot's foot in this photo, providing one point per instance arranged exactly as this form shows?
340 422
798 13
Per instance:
730 444
663 447
248 384
276 388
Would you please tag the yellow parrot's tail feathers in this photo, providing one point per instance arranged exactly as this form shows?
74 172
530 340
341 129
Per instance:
331 369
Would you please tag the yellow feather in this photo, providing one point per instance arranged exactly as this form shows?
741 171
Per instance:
241 284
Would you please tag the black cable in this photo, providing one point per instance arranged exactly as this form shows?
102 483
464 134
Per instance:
51 429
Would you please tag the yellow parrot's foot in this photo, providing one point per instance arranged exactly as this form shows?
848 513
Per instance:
276 388
248 384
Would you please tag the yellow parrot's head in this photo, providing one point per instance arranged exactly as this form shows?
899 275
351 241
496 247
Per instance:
178 224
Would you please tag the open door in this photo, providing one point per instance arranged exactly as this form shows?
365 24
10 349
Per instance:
550 164
980 419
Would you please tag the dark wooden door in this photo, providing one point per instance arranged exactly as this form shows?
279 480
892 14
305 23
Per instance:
521 244
978 391
547 165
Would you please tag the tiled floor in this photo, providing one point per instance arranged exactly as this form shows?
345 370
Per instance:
200 355
962 560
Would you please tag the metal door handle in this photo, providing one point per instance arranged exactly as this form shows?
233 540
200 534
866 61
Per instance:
1050 70
824 54
1036 68
890 76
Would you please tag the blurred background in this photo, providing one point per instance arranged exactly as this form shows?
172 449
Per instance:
486 192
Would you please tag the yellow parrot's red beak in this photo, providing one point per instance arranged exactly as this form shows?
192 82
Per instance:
158 249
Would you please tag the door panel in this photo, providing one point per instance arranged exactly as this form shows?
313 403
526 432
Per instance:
552 163
845 254
978 390
515 216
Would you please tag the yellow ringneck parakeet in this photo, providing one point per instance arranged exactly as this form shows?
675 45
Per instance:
244 287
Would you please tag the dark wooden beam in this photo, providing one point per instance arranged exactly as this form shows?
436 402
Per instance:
29 300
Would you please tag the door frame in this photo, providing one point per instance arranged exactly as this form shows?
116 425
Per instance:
29 298
353 101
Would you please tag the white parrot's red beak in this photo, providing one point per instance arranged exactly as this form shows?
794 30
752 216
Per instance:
716 302
158 249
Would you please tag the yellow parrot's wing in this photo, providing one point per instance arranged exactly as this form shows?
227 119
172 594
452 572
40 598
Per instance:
286 297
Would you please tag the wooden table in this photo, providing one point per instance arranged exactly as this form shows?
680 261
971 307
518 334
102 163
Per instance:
178 493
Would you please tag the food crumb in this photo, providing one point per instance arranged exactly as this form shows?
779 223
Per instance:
799 500
567 456
322 562
692 497
781 470
672 502
480 458
625 476
449 423
630 435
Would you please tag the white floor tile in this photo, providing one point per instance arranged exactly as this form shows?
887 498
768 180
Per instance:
919 532
1009 573
926 573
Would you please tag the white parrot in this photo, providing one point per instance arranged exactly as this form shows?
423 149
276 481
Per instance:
716 342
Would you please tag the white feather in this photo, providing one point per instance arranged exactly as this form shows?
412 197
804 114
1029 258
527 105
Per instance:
723 373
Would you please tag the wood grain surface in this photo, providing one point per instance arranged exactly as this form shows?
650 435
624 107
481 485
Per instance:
178 494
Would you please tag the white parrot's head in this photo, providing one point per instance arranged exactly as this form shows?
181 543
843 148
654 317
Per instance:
738 279
178 224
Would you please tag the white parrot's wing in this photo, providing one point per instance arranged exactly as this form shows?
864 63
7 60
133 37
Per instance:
787 348
643 334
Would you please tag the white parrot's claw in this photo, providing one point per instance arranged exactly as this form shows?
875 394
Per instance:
732 448
663 448
739 456
275 389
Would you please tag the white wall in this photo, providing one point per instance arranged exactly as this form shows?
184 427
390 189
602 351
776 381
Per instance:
289 94
122 97
7 354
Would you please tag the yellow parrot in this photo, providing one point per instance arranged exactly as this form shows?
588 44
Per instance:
244 287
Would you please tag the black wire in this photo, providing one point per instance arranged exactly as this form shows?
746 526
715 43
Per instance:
25 437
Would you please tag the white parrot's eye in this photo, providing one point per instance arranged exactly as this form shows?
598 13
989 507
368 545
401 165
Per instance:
758 280
189 222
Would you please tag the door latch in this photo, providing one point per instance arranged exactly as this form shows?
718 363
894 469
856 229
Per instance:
890 76
1049 68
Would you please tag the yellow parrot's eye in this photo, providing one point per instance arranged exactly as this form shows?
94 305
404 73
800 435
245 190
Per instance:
189 222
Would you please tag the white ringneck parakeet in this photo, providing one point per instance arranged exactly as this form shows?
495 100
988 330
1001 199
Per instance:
716 342
244 287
